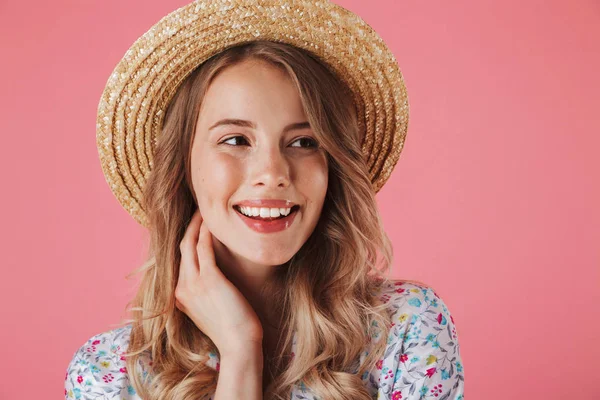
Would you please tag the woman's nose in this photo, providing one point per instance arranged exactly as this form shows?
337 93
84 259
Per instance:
271 168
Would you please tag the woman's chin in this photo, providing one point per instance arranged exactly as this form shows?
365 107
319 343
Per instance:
270 261
267 257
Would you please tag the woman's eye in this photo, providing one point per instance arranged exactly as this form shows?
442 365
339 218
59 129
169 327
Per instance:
310 142
235 137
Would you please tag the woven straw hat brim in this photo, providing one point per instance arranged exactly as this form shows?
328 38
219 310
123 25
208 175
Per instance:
137 93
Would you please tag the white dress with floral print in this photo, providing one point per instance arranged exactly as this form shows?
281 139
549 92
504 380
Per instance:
422 359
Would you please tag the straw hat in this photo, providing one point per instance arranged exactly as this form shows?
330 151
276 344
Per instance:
137 93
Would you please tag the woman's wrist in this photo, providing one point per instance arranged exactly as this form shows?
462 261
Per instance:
242 349
241 372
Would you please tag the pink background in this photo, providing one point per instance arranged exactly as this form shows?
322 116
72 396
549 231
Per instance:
494 202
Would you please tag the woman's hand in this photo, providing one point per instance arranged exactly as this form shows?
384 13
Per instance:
205 295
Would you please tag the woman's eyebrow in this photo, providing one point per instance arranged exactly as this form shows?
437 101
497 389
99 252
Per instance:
249 124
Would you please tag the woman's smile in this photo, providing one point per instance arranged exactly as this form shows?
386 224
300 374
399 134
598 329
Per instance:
276 221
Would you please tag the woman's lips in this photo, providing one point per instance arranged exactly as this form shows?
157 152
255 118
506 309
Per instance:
266 225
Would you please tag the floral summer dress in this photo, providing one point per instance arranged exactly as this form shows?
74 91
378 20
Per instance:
422 359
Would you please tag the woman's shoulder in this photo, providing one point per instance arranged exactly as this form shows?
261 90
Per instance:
411 298
98 370
422 355
408 296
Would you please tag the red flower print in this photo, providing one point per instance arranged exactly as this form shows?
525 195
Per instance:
79 379
403 358
396 395
123 370
437 390
123 358
95 342
439 318
400 290
108 378
451 319
430 372
379 364
218 366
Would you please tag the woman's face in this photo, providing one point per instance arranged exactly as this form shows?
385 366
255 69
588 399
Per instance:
272 156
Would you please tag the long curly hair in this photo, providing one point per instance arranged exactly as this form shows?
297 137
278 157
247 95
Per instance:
329 287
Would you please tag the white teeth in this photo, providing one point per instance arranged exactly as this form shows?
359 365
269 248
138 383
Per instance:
264 212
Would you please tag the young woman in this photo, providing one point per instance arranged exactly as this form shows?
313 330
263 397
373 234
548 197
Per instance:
266 273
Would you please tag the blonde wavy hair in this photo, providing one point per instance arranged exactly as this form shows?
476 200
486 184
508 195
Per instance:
329 287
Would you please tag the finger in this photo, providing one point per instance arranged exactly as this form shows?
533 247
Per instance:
205 251
188 247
